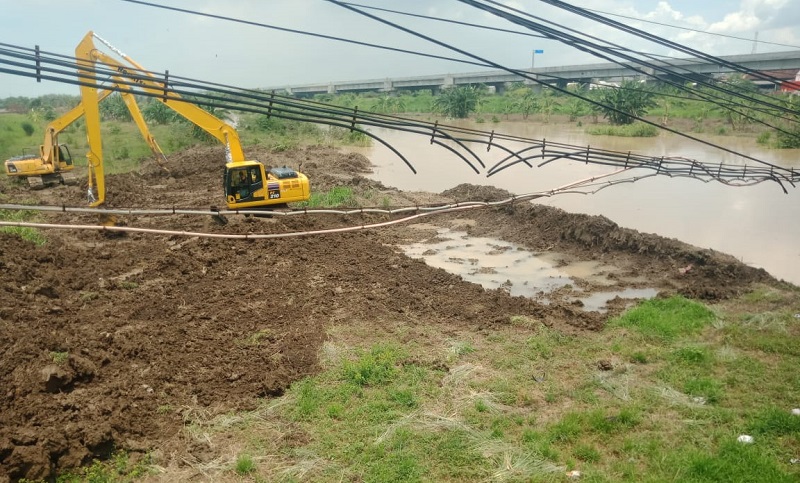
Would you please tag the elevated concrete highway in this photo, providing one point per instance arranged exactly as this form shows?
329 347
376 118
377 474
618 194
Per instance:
585 73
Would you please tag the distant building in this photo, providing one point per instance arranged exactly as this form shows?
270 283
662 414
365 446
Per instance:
786 76
602 85
792 86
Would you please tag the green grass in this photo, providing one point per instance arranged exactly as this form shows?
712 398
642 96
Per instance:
637 129
339 196
244 464
666 319
401 401
735 462
119 468
775 421
59 357
26 233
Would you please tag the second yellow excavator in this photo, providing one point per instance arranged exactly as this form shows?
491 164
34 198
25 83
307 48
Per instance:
247 184
53 164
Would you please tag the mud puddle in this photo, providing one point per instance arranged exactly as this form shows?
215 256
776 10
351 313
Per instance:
497 264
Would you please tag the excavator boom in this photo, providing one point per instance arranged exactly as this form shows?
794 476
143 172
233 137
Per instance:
247 184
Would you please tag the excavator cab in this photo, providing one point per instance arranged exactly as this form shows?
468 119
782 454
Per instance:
63 158
249 185
244 183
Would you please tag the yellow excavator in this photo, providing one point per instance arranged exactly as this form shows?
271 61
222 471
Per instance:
247 184
53 164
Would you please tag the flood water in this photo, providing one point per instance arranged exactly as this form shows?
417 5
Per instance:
496 264
760 225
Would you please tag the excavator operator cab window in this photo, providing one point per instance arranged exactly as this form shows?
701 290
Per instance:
255 174
64 154
244 181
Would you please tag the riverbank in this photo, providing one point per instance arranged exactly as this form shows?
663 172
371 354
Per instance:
330 356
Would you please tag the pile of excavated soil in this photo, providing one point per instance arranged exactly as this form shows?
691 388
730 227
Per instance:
105 339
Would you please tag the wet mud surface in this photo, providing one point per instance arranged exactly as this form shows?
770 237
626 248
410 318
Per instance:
107 341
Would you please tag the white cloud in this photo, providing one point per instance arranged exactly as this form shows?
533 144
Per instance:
736 22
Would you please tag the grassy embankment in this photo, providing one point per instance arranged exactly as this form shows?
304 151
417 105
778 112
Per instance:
519 403
676 110
661 394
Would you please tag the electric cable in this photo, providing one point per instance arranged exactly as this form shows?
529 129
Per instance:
652 37
456 49
607 53
220 17
689 29
769 110
389 48
348 118
575 187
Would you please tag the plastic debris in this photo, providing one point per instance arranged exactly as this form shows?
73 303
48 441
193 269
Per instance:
796 411
574 474
745 438
794 461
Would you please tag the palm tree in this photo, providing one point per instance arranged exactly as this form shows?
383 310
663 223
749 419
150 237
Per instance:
457 102
621 105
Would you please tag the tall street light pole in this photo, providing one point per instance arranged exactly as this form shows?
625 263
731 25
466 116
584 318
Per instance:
533 57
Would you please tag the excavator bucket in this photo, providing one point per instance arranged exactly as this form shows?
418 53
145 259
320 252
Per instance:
111 220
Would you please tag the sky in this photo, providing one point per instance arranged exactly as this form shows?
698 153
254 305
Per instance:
248 56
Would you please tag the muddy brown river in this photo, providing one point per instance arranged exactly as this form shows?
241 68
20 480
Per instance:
759 224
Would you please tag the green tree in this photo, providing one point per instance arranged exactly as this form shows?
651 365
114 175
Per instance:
547 104
621 105
742 113
576 107
458 102
113 108
383 104
157 112
527 103
789 136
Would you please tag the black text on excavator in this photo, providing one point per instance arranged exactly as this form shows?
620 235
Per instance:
247 184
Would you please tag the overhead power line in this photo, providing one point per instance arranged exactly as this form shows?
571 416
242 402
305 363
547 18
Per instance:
530 77
610 51
38 64
704 32
729 102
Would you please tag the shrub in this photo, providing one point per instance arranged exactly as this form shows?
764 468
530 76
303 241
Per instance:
28 128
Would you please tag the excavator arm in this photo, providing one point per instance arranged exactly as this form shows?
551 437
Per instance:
217 128
55 127
136 115
54 161
52 130
247 184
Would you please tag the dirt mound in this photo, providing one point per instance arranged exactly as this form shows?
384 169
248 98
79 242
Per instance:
109 343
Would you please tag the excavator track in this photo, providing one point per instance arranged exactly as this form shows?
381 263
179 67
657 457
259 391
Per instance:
69 179
35 182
